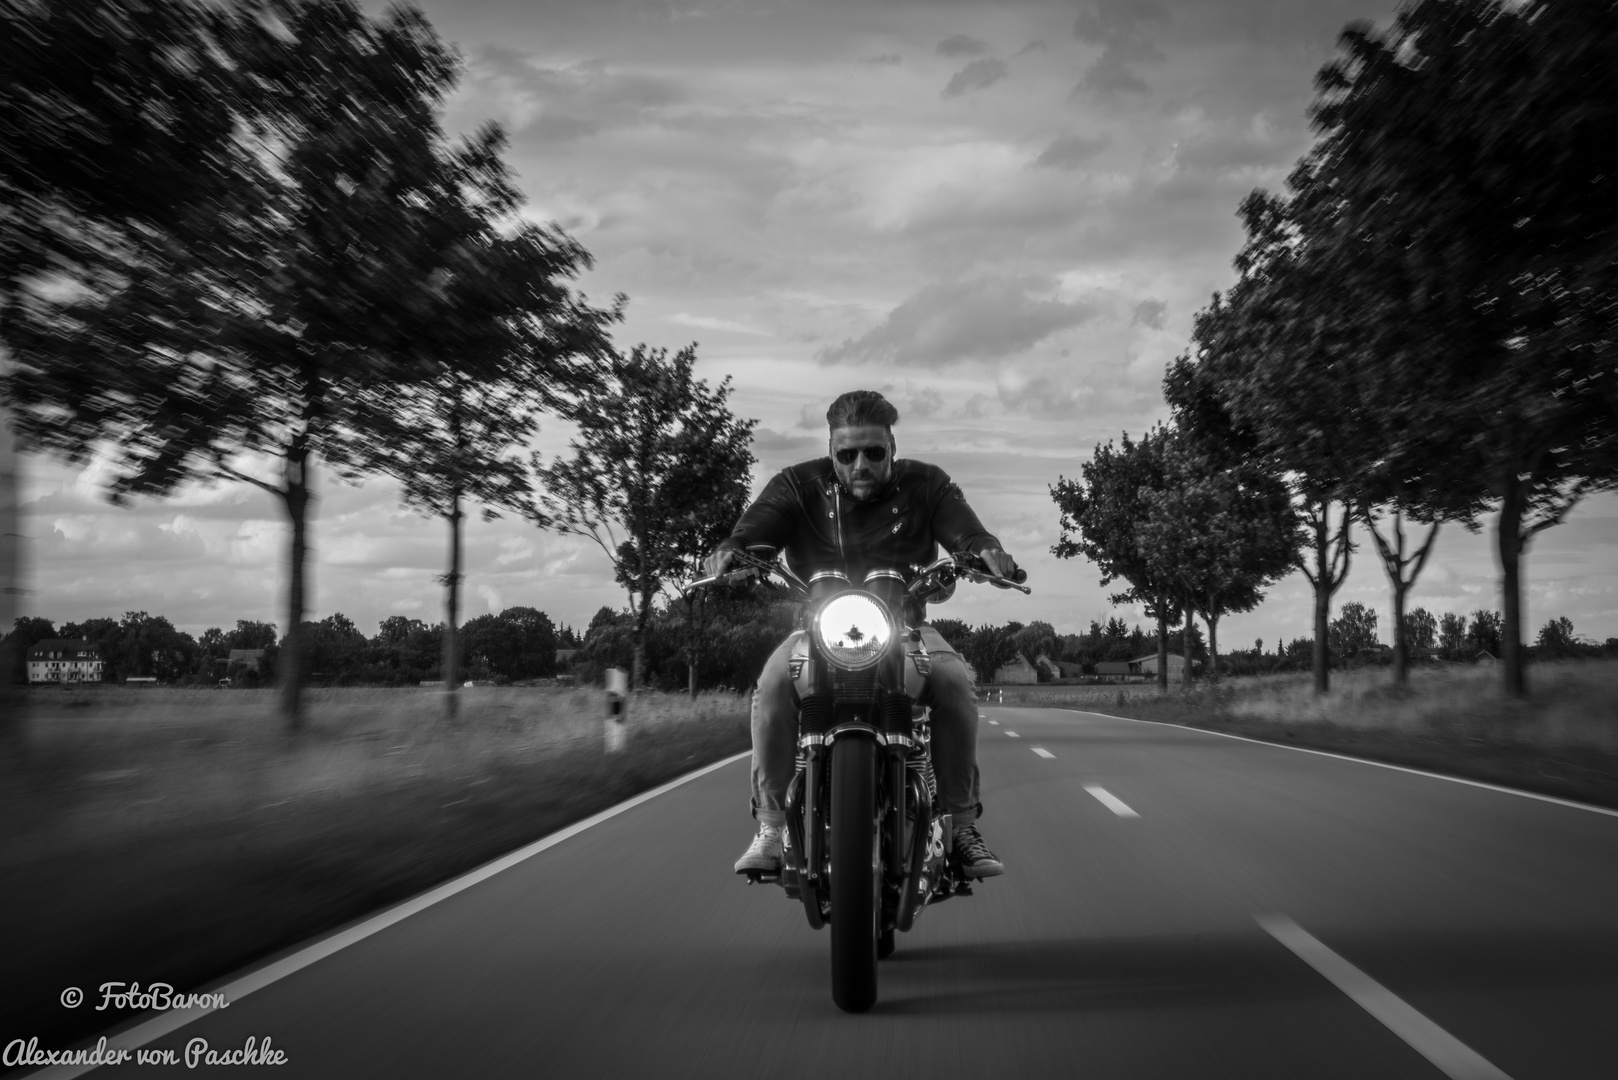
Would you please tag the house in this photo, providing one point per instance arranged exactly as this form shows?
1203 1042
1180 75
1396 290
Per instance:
60 660
1017 672
1050 668
1176 665
1118 670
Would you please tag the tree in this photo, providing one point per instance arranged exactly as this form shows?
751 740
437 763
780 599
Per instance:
1223 527
518 643
1435 136
114 143
1036 639
503 334
1101 514
953 631
26 632
1353 631
658 458
1420 631
1263 375
278 331
1451 634
1556 638
989 649
1485 632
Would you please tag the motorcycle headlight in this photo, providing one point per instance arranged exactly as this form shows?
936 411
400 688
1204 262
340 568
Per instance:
854 630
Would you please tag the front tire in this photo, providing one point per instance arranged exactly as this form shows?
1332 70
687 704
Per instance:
855 908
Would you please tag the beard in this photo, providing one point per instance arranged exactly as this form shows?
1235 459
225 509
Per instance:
864 485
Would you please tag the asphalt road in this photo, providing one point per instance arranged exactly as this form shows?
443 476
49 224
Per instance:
1124 941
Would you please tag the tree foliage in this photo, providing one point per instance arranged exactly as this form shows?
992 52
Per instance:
659 460
1101 514
1466 154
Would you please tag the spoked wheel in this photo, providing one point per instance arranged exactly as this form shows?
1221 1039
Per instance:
885 944
855 905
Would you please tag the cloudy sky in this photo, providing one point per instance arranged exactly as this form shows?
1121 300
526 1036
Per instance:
1002 215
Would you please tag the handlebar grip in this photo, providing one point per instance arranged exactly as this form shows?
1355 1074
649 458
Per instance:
1019 575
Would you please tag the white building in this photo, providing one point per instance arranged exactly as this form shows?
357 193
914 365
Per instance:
1176 665
59 660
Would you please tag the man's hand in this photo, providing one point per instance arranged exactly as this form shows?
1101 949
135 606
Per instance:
719 562
999 563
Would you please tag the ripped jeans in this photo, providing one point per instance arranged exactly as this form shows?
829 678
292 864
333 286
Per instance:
954 723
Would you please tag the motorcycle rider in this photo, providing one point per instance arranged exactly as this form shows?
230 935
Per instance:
855 509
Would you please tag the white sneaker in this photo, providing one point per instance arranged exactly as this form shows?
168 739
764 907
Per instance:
764 854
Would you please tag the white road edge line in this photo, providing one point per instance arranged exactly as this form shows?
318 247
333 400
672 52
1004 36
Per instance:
241 984
1452 1057
1357 760
1110 801
1042 752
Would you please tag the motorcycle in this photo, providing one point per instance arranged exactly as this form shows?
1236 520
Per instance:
866 846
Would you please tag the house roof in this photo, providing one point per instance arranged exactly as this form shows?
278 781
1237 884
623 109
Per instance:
1114 667
43 649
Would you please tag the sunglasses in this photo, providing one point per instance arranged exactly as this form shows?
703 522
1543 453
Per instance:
873 454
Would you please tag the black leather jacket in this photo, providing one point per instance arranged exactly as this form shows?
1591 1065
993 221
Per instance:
805 510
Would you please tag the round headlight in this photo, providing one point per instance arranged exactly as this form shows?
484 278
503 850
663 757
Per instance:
854 630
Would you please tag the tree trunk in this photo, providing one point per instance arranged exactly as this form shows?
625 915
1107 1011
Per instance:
1401 647
1394 563
1213 648
1509 546
292 659
643 615
1162 649
1185 645
452 604
693 623
13 699
1325 579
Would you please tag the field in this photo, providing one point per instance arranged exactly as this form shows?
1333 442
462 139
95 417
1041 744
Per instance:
175 835
1562 740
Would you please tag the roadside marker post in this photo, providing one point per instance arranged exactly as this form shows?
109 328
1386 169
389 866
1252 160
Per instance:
617 705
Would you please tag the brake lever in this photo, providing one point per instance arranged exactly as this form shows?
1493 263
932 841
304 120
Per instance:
999 582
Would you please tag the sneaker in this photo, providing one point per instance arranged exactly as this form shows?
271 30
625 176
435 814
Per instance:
764 854
976 860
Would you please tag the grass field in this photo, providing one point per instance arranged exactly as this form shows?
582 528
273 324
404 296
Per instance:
1561 740
176 835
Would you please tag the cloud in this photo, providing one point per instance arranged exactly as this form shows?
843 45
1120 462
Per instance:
980 319
1150 313
1121 28
884 60
962 45
708 322
1071 151
978 75
924 402
554 104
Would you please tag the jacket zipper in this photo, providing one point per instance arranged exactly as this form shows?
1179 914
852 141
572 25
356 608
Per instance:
837 496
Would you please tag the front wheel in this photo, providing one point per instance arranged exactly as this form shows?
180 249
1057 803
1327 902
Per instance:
855 906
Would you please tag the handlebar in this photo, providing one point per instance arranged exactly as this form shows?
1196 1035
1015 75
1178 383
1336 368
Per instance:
930 578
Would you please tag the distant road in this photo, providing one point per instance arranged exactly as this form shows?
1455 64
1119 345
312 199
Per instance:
1176 905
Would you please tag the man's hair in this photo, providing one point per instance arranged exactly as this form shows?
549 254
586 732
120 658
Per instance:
860 408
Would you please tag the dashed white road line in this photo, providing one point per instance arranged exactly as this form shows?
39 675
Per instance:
1110 801
1042 752
1452 1057
1013 735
